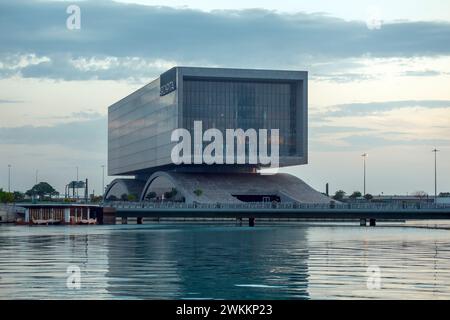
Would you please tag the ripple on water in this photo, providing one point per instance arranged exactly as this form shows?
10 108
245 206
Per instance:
207 261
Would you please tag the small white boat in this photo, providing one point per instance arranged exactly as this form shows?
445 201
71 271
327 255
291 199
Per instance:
45 222
88 221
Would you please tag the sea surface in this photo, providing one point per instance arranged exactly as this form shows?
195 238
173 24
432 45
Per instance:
224 261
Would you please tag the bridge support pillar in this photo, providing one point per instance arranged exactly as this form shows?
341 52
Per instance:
27 215
124 220
107 216
363 222
251 222
140 220
373 222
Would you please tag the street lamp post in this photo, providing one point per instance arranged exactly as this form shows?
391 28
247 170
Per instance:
365 155
9 178
77 182
103 179
435 173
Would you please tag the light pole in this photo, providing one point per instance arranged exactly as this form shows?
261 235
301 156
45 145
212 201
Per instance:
103 179
37 171
77 182
9 178
435 173
365 155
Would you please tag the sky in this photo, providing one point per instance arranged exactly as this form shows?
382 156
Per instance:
379 81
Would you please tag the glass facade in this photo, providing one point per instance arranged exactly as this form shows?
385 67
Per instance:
232 104
141 124
139 130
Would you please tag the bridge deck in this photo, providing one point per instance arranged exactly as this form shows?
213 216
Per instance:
278 213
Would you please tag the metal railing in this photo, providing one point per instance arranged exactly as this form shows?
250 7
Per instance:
261 205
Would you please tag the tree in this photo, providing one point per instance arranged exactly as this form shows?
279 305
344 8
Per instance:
42 190
18 196
355 195
170 194
368 197
112 198
198 192
167 195
420 194
150 195
124 197
6 197
96 199
339 195
131 197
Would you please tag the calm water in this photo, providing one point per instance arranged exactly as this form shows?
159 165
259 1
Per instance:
224 261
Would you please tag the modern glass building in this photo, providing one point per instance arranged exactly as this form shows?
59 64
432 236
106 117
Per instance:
140 126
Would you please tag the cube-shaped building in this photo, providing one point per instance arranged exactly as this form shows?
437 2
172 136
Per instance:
140 128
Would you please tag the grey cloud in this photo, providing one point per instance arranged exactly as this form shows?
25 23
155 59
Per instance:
361 109
80 115
87 115
6 101
342 77
61 67
250 38
321 129
424 73
358 142
356 138
89 135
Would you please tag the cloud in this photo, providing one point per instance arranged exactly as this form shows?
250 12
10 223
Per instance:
377 124
7 101
343 77
423 73
108 68
359 141
78 116
88 135
364 142
363 109
130 35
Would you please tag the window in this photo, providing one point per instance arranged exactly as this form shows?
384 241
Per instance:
227 104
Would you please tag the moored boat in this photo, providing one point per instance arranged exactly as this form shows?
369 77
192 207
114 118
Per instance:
45 222
88 221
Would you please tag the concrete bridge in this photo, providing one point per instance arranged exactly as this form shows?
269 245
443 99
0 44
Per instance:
108 212
283 211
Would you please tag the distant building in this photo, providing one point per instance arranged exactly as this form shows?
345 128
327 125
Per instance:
58 213
444 198
400 199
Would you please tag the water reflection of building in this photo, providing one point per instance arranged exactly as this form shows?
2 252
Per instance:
142 264
410 263
192 262
34 263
